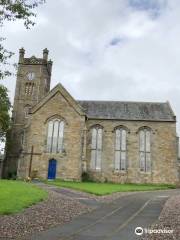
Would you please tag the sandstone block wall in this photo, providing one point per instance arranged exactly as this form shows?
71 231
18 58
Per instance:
77 143
163 152
68 162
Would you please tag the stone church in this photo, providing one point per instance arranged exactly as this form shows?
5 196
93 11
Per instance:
55 136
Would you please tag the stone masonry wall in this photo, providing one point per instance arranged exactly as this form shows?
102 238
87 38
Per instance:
69 162
163 152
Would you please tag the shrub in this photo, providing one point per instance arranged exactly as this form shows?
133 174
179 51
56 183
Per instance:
86 177
12 175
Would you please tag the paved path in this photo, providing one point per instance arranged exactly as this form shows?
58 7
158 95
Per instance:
114 221
80 196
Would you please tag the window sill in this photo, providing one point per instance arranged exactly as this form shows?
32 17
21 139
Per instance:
144 173
95 170
119 172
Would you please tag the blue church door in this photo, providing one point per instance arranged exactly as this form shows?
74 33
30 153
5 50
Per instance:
52 169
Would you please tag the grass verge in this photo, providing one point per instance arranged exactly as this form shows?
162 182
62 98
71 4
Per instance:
17 195
108 188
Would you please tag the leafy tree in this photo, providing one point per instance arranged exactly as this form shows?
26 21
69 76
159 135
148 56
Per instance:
13 10
5 106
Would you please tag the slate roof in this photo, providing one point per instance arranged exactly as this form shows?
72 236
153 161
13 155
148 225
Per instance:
148 111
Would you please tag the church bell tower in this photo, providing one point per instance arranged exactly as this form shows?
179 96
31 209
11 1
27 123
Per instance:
32 85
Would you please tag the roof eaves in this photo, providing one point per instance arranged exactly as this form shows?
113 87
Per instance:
125 119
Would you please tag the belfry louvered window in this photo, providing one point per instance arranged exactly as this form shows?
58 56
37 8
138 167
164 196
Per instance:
55 136
96 148
145 149
120 149
29 88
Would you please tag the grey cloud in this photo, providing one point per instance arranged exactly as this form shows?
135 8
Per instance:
143 64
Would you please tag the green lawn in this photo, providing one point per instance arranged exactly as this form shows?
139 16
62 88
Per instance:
108 188
17 195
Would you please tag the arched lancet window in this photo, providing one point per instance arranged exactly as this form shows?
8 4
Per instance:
120 149
22 137
55 136
26 111
96 148
145 149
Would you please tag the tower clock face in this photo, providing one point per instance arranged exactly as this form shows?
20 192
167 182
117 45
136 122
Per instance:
31 76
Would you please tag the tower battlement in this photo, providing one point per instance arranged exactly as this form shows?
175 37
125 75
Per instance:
33 60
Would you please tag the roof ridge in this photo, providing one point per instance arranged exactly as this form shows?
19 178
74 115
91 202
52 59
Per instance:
120 101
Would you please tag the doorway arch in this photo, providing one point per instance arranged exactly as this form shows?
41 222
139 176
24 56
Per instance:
52 169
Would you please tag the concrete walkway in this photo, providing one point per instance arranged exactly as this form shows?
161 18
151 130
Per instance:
116 220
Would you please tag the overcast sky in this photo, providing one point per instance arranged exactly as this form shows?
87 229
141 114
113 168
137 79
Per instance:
107 49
